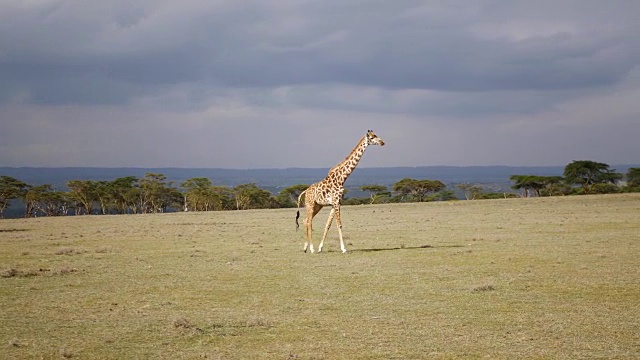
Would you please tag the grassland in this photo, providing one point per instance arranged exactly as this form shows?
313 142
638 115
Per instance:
515 278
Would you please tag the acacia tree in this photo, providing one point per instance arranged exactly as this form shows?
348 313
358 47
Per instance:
103 194
157 194
45 200
556 188
123 193
375 192
172 197
526 183
551 185
197 194
31 199
534 183
587 173
288 197
201 195
418 189
151 186
84 192
135 200
221 198
633 177
249 196
471 192
10 189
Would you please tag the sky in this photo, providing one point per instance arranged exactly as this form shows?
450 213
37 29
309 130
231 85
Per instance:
295 83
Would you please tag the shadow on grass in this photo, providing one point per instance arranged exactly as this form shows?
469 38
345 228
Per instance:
405 248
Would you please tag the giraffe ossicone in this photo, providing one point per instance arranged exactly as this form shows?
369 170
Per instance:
329 191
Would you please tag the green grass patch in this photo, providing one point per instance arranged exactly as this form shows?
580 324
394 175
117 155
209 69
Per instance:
511 278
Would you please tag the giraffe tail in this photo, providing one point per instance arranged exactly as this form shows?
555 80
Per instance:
298 212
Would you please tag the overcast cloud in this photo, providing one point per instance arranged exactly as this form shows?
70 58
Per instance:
291 83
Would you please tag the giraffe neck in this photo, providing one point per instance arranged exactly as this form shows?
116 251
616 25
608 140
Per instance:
342 171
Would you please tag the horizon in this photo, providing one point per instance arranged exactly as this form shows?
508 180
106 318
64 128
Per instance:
295 167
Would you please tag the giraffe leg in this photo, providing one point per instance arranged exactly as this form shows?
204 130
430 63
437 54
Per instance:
339 225
308 231
309 241
306 234
326 229
311 212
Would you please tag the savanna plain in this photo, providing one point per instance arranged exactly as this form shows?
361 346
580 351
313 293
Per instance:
530 278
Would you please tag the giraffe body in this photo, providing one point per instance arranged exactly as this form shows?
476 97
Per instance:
329 192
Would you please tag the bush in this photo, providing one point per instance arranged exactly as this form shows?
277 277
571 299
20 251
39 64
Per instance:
496 195
356 201
604 189
556 190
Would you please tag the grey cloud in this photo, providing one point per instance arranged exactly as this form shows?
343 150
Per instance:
134 47
434 78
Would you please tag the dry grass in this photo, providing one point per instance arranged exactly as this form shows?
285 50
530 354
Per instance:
514 278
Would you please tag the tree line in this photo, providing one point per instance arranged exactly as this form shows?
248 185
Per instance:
579 177
155 194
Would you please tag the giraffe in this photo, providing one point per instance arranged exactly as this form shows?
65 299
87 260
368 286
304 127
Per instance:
329 191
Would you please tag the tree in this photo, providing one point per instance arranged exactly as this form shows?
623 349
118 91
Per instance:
84 192
249 196
221 198
156 194
134 198
375 191
496 195
527 183
586 173
173 198
198 193
471 192
10 189
45 200
418 189
103 194
633 177
288 197
201 195
444 195
556 188
124 193
534 183
604 188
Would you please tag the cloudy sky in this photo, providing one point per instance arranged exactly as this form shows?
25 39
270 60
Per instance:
294 83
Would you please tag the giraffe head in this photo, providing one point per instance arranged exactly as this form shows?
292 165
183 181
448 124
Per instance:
373 139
